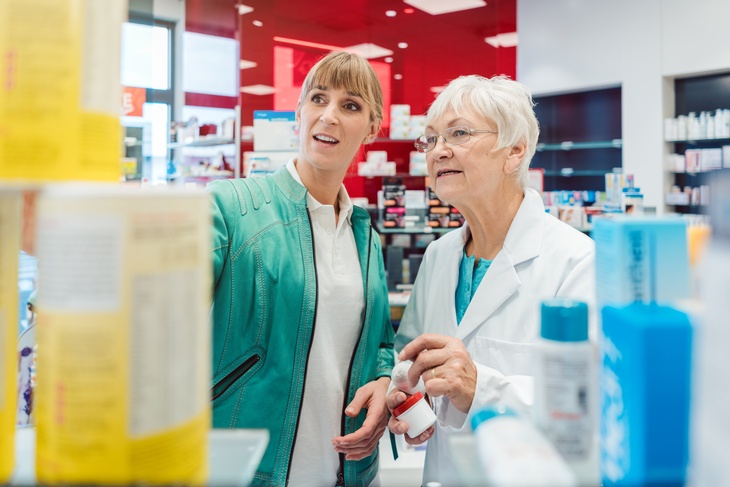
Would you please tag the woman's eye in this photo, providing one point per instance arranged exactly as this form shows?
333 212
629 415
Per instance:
459 132
317 98
351 106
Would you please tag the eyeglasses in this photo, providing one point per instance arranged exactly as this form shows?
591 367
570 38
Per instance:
451 136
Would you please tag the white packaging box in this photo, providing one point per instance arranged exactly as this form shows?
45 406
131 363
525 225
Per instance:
572 215
399 133
377 156
726 156
275 131
400 122
711 159
418 121
400 111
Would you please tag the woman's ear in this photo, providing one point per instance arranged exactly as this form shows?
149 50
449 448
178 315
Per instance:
514 158
372 133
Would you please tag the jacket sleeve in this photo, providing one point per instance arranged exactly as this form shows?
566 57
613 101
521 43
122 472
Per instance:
385 352
221 198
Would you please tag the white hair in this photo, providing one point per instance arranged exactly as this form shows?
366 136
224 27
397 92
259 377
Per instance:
505 102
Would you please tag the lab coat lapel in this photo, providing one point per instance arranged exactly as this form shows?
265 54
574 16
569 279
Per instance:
522 243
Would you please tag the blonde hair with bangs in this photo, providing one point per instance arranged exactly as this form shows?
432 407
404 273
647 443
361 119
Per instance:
350 72
505 102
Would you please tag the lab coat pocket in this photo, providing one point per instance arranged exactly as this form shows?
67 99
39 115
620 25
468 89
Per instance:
508 358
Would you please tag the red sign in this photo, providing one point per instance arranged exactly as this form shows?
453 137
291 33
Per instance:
132 101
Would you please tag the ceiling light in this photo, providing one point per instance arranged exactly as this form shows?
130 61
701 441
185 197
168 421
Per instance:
390 13
408 10
438 7
245 64
297 42
257 23
244 9
388 59
258 90
508 39
398 76
402 45
368 50
437 89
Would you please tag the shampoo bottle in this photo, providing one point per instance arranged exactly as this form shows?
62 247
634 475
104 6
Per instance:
566 387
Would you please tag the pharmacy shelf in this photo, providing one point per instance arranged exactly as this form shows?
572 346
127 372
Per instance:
203 142
568 145
415 229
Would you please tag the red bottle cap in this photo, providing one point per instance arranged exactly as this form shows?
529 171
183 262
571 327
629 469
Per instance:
410 402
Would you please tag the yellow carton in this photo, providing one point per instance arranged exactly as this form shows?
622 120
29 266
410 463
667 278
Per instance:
10 204
123 335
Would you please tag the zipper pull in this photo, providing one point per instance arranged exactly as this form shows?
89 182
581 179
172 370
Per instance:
340 479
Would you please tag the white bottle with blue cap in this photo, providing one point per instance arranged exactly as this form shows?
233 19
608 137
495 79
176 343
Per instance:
566 393
514 453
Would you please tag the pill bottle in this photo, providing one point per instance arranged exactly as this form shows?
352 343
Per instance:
417 413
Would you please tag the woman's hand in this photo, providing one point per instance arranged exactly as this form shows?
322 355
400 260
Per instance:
445 366
362 443
395 399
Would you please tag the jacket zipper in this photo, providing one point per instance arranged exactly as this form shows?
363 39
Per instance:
341 472
309 350
227 381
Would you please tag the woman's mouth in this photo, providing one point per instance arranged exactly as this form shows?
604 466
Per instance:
326 139
447 172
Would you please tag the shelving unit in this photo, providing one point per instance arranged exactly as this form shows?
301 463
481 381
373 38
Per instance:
695 94
203 151
580 139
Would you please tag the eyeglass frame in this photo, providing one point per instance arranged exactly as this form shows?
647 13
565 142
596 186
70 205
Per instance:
451 129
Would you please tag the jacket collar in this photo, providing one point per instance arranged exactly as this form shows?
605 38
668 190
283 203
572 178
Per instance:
522 243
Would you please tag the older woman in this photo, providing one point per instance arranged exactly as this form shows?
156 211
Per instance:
302 340
474 310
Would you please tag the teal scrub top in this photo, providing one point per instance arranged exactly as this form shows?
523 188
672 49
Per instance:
470 276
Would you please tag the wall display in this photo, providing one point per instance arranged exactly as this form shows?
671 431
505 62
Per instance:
580 139
697 135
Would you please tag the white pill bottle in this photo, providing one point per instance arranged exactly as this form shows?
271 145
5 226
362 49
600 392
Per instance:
566 392
514 453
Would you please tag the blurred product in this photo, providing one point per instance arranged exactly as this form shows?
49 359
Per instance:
514 453
10 210
123 391
566 392
711 383
645 387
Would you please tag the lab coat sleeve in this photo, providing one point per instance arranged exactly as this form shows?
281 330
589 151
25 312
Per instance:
580 284
493 388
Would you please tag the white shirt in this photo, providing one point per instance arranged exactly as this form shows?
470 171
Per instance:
338 318
541 258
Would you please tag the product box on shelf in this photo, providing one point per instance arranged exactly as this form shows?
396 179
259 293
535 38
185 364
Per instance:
394 217
645 394
394 192
275 131
641 259
456 219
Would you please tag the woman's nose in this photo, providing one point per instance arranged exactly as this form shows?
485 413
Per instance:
328 116
441 150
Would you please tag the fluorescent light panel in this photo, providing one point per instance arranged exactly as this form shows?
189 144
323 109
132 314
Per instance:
508 39
438 7
259 90
368 50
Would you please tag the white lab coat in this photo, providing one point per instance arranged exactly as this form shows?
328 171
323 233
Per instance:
542 258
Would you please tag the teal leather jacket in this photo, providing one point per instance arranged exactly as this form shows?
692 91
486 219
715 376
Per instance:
264 310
